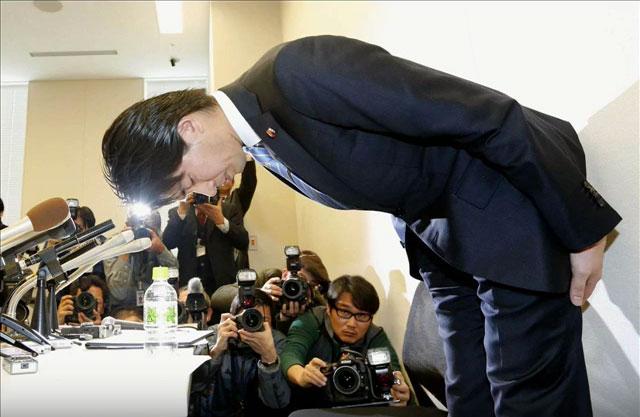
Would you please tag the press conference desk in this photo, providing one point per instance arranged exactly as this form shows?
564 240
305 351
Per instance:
95 383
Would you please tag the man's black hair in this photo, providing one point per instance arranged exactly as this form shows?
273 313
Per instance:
363 294
142 148
87 216
262 299
1 206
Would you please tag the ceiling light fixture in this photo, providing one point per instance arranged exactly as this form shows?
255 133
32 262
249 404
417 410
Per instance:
169 16
72 53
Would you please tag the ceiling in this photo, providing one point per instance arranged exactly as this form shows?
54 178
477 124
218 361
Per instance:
130 27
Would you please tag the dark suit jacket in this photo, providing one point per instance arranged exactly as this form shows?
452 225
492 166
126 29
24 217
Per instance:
241 198
494 188
182 234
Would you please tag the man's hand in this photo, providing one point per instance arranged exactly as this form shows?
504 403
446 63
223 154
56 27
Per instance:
291 311
65 308
184 205
586 269
272 287
214 213
226 329
400 392
156 243
308 376
82 318
261 343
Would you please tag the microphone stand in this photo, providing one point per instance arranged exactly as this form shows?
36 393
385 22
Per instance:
45 323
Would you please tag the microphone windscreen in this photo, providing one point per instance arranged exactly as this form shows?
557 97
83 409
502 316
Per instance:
195 286
48 214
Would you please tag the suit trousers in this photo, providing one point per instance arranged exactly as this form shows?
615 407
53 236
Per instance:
510 352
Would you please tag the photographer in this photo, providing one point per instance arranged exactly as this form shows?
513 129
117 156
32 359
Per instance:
315 339
206 235
129 275
70 310
313 271
184 316
245 380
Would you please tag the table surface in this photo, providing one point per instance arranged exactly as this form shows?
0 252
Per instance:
96 383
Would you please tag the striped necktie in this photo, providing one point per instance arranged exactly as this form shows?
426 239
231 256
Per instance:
273 164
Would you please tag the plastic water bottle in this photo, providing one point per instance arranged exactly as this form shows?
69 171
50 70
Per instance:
160 314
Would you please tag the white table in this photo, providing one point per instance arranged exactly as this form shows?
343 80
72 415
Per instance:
97 383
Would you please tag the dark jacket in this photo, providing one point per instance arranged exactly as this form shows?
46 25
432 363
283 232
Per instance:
182 234
241 199
494 188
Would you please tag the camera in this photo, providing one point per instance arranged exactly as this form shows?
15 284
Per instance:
356 379
250 319
84 302
206 199
294 288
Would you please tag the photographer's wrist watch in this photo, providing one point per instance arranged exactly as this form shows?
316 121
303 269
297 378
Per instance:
271 365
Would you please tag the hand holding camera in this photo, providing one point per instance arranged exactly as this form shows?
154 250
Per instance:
400 391
227 329
261 343
310 375
80 309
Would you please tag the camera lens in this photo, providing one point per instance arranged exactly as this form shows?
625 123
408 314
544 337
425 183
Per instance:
85 302
252 320
346 380
292 289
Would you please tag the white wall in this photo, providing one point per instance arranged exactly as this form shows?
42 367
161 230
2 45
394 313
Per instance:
66 121
577 61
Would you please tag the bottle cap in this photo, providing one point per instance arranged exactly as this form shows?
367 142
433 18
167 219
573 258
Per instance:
160 272
173 272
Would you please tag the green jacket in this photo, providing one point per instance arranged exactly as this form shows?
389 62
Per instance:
311 336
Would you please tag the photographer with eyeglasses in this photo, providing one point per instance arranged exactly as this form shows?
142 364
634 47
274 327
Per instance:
320 337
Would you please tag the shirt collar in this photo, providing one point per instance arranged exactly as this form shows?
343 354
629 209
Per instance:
247 135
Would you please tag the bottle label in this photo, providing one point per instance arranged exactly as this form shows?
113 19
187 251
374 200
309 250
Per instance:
159 314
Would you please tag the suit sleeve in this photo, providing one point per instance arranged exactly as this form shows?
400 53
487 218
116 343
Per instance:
237 234
356 85
247 186
171 236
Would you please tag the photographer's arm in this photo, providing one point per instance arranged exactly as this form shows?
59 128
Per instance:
303 334
273 389
171 237
237 234
118 273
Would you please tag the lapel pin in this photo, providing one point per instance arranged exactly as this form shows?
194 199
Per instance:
271 133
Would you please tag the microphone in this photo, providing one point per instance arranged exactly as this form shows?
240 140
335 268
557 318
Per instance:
31 239
134 246
196 303
75 240
42 217
195 285
131 247
124 324
116 241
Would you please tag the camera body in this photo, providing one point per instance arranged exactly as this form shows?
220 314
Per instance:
294 288
250 319
356 379
206 199
85 303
